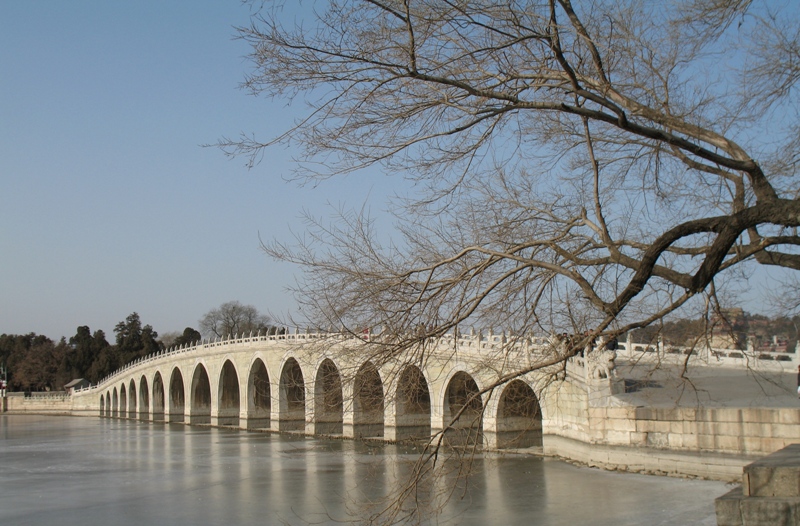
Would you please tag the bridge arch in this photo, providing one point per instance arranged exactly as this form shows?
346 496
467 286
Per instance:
259 395
328 399
158 397
292 397
228 399
368 402
200 402
462 402
177 396
412 404
518 417
293 384
144 399
123 401
132 399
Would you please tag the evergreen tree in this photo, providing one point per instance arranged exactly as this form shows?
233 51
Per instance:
189 337
87 349
133 340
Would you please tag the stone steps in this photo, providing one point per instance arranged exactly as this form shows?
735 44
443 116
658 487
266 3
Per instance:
769 494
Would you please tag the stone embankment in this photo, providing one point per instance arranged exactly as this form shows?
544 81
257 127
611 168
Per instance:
53 403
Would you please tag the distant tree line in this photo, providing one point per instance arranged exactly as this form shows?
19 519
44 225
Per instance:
38 363
741 327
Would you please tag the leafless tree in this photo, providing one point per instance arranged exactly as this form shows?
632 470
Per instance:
168 338
233 318
582 166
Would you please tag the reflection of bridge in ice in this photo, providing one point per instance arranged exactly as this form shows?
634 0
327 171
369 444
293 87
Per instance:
330 384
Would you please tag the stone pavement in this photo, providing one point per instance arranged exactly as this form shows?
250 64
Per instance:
666 386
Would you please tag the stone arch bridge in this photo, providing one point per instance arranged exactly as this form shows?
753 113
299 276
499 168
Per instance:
324 384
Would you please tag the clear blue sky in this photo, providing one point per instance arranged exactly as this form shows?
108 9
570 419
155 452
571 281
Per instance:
109 203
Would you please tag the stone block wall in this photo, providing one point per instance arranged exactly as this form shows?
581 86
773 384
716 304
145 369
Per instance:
741 431
705 442
605 431
564 410
43 404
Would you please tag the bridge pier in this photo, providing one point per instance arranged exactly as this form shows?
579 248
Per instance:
416 427
196 416
199 420
256 414
254 418
437 419
308 412
392 433
291 423
177 417
225 419
327 427
389 417
274 419
369 429
490 435
308 427
348 430
254 422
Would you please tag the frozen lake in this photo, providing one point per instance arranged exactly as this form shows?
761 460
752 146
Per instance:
102 471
